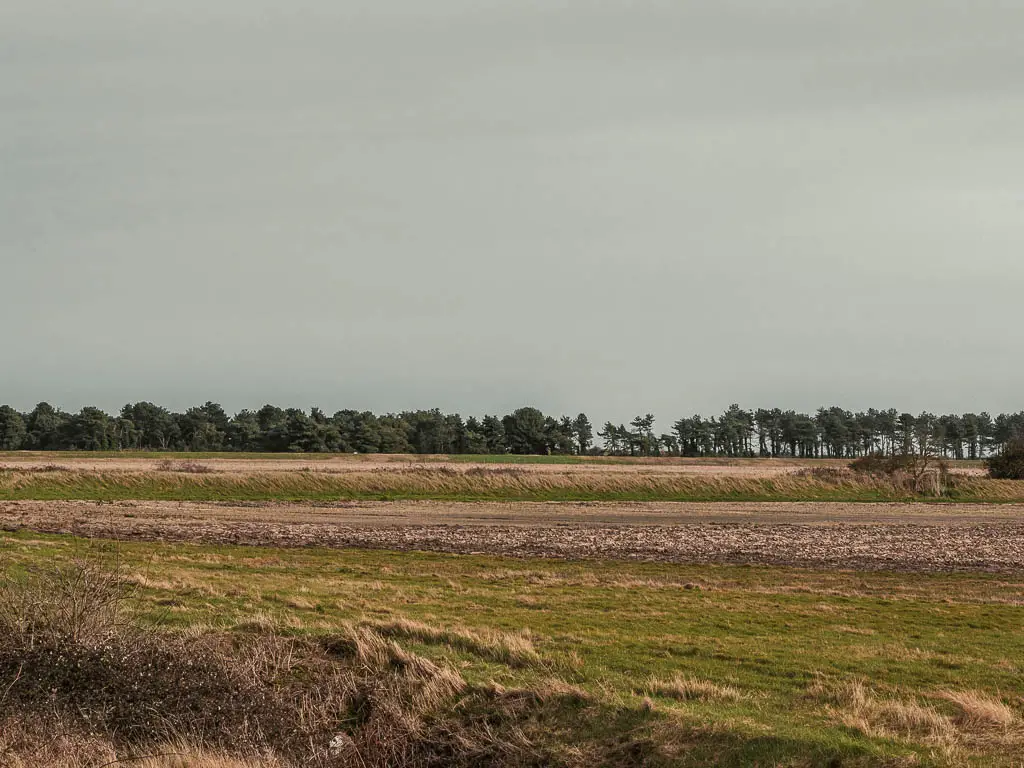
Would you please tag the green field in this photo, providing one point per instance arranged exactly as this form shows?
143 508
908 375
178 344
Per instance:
776 666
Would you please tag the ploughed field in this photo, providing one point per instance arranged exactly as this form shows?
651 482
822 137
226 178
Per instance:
411 611
892 536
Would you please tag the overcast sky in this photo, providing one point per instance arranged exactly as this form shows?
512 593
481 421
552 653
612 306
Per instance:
603 205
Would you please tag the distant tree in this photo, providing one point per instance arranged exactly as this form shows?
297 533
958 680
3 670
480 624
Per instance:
270 416
643 435
456 437
393 434
561 435
302 434
494 434
215 415
202 429
44 428
584 432
525 431
243 432
832 431
431 432
367 436
155 427
88 430
610 435
13 432
476 443
670 443
906 431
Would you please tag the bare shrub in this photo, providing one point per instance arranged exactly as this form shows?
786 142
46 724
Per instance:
83 684
1009 463
881 464
82 605
922 472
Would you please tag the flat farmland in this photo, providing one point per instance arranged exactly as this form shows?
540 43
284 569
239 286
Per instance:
575 613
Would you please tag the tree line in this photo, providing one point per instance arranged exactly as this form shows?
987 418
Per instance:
828 433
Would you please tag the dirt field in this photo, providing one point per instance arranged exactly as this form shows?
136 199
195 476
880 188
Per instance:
898 537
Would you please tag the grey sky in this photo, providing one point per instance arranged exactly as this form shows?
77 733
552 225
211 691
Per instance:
612 206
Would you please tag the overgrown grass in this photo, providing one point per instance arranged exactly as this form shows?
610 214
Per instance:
86 683
730 666
479 484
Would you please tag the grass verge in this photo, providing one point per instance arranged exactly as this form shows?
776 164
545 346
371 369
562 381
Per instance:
473 484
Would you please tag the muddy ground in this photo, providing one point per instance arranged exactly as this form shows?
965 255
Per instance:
899 537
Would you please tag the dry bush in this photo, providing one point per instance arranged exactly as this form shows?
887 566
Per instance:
1009 463
83 605
186 467
83 684
921 473
691 689
882 464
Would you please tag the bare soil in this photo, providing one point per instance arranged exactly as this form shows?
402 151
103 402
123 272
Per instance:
897 537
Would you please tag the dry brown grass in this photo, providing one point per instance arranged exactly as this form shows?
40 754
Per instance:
36 468
188 467
684 688
979 719
24 745
979 711
503 647
858 707
193 479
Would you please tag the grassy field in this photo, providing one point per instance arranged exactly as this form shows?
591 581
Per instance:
474 484
700 665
